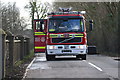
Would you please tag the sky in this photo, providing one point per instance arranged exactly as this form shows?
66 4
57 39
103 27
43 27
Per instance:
21 4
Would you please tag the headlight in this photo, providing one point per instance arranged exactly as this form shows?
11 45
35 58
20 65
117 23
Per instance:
51 47
81 47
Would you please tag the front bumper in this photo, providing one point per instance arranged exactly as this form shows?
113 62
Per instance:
66 49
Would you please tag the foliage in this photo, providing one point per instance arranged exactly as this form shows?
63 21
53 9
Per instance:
37 9
11 20
26 58
105 17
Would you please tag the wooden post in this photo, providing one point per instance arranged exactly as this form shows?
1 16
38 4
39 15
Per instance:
3 55
11 50
1 66
25 47
21 47
118 37
1 63
28 45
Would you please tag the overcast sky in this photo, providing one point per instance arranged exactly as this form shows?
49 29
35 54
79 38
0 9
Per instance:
21 4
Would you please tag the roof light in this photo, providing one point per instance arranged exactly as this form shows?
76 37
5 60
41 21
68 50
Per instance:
82 12
65 9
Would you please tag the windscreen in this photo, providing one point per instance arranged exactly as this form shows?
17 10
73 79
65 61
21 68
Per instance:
65 25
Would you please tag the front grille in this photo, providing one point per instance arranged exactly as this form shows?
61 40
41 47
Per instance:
63 40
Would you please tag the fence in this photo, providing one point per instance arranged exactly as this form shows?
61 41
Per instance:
14 49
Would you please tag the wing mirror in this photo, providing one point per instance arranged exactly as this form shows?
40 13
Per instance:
90 25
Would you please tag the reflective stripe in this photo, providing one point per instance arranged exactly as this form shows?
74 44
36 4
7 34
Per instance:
40 47
51 29
39 34
70 35
61 35
53 35
79 36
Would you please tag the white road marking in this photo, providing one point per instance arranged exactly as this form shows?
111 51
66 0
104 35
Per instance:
28 68
41 59
31 63
95 66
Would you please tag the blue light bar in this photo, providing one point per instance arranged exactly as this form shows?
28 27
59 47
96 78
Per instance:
72 12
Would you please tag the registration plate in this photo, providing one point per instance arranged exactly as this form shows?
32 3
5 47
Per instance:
66 50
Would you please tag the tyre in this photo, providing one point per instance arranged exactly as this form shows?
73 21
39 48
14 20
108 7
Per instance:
78 56
50 57
82 56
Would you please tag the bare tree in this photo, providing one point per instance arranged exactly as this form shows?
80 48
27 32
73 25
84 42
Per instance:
11 20
37 9
105 17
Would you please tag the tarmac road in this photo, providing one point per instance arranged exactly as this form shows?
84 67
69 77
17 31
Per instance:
96 67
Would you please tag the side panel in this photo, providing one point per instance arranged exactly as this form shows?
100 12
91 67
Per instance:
39 36
40 40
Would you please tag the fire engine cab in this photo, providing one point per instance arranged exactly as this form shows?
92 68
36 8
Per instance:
62 33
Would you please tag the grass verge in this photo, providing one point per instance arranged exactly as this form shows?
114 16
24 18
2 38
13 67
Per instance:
19 67
25 59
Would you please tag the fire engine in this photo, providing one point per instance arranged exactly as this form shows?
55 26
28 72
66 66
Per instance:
62 33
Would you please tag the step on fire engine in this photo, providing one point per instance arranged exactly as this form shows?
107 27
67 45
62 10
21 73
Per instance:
62 33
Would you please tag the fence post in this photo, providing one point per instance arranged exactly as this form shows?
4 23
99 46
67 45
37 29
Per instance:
28 45
22 48
1 70
11 50
3 55
1 58
25 42
1 66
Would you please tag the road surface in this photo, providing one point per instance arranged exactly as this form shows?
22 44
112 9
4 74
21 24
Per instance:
96 67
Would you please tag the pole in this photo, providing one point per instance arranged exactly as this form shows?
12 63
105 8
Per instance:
21 47
1 67
1 57
11 50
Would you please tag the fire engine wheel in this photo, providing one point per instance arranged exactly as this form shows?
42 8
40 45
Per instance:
50 57
82 56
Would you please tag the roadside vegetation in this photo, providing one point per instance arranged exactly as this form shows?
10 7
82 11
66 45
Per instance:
13 24
26 59
20 67
105 34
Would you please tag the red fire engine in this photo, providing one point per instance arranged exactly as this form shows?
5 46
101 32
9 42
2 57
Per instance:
62 33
